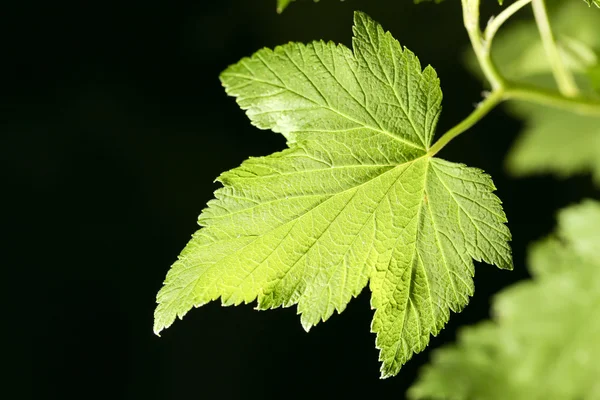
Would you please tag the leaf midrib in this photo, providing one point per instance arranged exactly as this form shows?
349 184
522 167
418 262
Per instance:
235 253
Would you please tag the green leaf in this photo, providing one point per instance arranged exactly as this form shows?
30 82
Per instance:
355 198
594 2
577 239
580 227
555 141
543 342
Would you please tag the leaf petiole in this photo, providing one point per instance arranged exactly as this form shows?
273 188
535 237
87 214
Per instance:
516 92
504 90
483 108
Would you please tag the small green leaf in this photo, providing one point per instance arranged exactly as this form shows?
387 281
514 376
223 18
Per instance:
555 141
543 342
355 198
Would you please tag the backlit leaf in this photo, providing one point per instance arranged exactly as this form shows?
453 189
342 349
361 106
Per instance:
356 198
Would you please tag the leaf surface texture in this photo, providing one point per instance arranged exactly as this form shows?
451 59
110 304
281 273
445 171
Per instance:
543 342
355 199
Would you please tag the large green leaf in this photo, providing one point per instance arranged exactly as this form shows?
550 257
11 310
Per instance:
355 198
544 342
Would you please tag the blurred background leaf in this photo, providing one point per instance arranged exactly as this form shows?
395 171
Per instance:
543 341
553 141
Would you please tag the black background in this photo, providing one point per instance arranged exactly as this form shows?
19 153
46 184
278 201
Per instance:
114 126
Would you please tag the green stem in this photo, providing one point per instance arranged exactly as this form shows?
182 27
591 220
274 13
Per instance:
482 51
549 98
482 109
503 90
517 92
495 23
564 78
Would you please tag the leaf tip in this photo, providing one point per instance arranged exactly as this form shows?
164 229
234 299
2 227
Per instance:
306 325
385 372
157 328
161 321
360 17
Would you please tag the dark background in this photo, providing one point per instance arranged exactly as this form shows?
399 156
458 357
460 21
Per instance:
114 125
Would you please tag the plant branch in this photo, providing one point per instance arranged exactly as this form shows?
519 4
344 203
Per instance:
496 22
564 78
503 90
549 98
481 111
482 51
517 92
